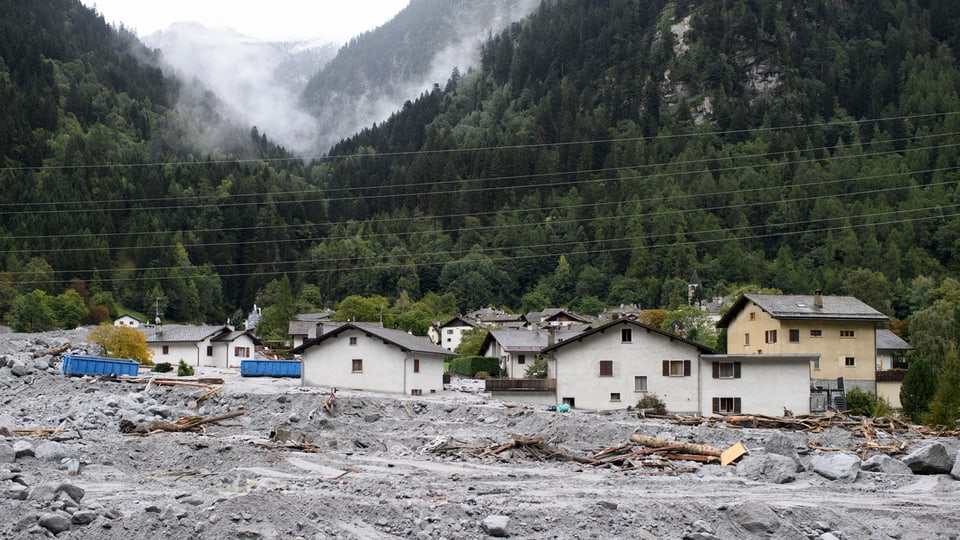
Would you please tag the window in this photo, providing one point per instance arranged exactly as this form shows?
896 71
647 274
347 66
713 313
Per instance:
726 370
166 349
676 368
770 336
726 405
353 340
209 350
847 334
416 365
794 335
416 391
521 359
626 335
357 365
606 368
753 316
614 396
850 361
449 331
640 383
816 333
241 352
746 340
816 363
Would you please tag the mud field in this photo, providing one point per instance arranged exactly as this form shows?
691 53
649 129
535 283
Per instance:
446 465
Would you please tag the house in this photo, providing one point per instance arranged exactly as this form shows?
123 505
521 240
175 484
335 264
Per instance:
840 329
368 357
891 367
210 346
451 332
614 365
517 349
492 317
767 384
558 318
307 326
129 321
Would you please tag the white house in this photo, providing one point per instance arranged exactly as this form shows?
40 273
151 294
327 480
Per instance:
614 365
128 321
766 384
210 346
451 332
373 358
517 349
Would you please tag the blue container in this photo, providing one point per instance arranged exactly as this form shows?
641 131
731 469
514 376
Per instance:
95 365
270 368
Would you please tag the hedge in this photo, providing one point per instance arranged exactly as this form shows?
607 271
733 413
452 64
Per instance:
468 366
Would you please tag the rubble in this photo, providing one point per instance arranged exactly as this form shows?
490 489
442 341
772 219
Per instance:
245 458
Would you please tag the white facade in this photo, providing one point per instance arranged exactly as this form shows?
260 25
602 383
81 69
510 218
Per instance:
129 321
755 384
612 367
208 346
368 359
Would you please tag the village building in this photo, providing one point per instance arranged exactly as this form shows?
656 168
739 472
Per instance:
372 358
208 346
450 334
129 321
840 330
891 366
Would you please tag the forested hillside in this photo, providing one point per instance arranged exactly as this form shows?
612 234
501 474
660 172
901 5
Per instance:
601 153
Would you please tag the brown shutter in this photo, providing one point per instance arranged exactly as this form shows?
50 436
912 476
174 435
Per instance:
716 405
736 405
666 368
736 370
716 370
686 368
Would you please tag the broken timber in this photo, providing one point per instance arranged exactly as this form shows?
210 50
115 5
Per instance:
690 448
183 424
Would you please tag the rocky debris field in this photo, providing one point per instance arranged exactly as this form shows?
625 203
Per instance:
439 466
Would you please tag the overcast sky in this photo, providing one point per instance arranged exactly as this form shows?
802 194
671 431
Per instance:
329 20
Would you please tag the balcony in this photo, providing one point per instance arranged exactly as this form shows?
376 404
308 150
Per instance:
891 375
520 385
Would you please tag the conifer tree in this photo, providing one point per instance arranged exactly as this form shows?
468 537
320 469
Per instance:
945 406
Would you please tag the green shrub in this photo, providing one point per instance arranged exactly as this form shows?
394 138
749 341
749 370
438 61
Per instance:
183 370
482 375
469 366
163 367
538 369
652 401
861 403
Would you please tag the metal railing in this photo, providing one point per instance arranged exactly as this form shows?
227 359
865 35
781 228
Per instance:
525 385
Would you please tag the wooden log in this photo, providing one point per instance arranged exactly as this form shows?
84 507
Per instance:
52 351
186 423
689 448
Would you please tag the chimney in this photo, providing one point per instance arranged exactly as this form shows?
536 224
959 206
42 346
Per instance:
818 299
551 336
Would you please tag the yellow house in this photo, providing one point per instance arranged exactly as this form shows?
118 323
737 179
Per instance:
841 329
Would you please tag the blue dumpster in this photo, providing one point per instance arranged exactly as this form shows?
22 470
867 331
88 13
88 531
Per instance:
270 368
76 365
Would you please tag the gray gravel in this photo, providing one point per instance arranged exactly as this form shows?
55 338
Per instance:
371 473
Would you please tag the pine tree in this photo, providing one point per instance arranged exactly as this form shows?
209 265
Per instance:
918 388
945 406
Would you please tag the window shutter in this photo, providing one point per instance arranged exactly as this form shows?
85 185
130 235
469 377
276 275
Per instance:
716 405
716 370
736 370
736 405
686 368
666 368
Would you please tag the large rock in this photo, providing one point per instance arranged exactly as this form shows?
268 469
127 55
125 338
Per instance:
883 463
930 459
841 466
496 525
955 471
772 468
7 453
55 522
20 369
782 445
50 451
756 518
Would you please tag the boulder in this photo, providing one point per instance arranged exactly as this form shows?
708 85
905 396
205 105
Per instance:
772 468
930 459
841 466
496 525
883 463
782 445
7 453
55 522
50 451
955 471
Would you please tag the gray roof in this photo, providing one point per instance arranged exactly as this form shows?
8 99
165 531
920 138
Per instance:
401 339
888 341
632 322
234 335
798 306
526 340
170 333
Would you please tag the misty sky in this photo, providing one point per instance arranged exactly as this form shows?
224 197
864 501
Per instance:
328 20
